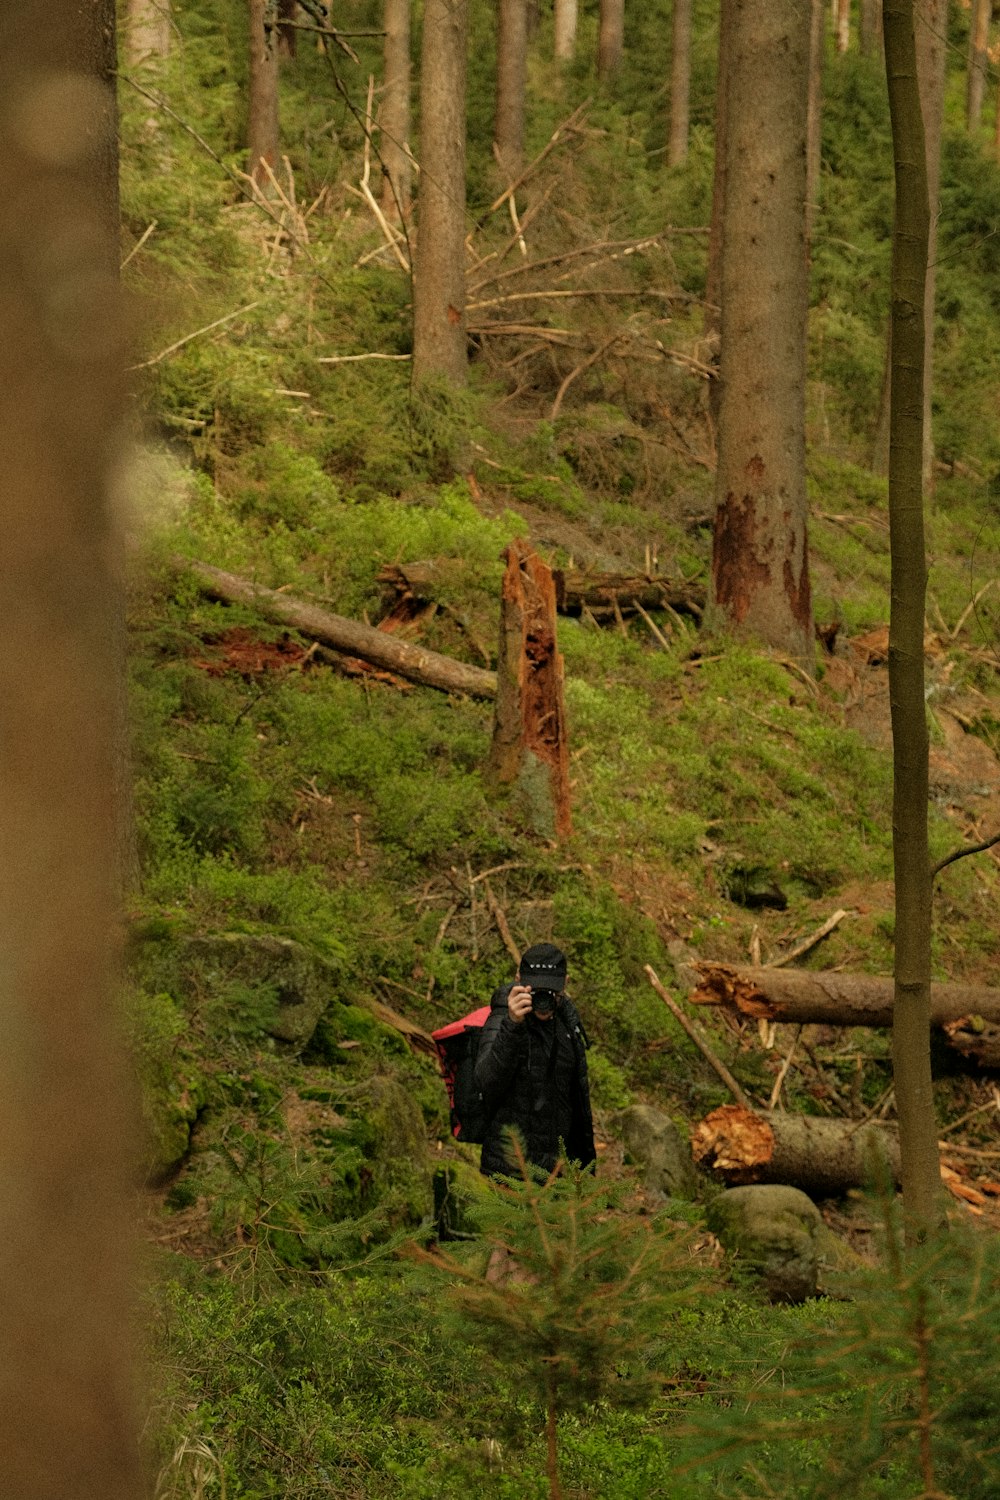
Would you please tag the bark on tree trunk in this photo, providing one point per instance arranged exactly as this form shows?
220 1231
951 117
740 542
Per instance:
394 112
911 242
439 339
680 84
931 30
565 29
66 1382
512 73
713 272
610 38
348 636
869 26
146 31
814 118
288 11
263 144
530 745
760 569
979 41
821 1156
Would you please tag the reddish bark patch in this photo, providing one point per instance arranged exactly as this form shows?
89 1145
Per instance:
240 651
799 595
738 575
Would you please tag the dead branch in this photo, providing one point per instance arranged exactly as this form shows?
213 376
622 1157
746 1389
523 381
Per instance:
500 918
699 1039
579 369
558 135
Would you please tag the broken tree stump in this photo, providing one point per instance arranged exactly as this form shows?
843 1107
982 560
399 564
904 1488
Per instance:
823 1156
529 747
966 1016
380 647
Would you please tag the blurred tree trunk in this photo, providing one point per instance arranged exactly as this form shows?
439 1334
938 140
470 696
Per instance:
146 31
66 1382
843 26
680 84
931 22
760 567
263 142
911 239
439 341
979 41
394 111
814 118
869 26
610 38
288 12
512 73
565 29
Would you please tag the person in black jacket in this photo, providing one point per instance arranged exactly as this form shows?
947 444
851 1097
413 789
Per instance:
531 1068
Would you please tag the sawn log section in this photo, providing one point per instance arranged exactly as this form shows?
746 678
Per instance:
347 636
822 1156
967 1015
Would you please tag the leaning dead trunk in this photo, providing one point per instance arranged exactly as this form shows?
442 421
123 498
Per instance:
821 1156
530 746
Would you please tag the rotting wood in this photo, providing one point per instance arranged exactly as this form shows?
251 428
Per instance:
823 1156
530 744
429 668
966 1016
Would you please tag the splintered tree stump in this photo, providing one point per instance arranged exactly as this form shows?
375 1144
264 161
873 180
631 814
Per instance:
822 1156
965 1016
529 747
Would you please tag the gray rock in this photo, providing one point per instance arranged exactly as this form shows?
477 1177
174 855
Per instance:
302 982
653 1141
777 1232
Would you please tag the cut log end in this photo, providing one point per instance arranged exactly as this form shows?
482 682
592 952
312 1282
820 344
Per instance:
735 1143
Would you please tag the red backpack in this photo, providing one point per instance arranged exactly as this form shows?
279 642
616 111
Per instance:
458 1045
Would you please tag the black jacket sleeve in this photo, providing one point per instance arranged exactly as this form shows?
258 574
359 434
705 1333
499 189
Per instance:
501 1049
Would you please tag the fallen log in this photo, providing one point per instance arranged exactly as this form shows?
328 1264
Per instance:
576 588
351 637
822 1156
966 1016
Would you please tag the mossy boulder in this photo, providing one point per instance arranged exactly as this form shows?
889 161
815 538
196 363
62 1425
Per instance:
653 1141
776 1232
300 983
171 1088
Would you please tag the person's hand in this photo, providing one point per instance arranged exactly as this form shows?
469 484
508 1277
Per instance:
519 1003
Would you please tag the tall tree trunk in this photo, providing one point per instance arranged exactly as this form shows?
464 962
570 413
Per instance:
814 118
843 27
565 29
66 1386
911 857
146 31
512 73
713 270
439 271
760 568
610 38
979 41
288 13
263 143
680 83
394 111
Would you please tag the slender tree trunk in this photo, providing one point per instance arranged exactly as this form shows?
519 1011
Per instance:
263 142
931 21
996 126
760 568
288 12
979 41
610 38
66 1385
394 111
680 84
512 74
565 29
439 342
843 29
814 118
911 856
146 32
